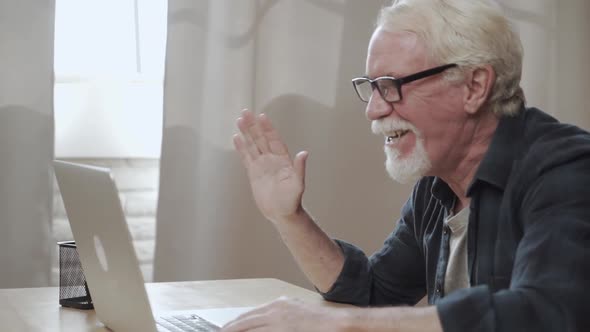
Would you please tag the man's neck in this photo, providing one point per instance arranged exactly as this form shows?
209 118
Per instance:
472 151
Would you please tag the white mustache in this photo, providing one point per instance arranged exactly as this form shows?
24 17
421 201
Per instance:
386 126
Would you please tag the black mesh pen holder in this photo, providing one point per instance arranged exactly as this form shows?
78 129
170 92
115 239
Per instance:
73 290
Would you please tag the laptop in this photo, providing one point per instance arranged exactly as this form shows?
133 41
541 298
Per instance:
109 261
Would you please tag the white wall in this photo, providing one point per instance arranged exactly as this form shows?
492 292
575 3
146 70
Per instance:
556 40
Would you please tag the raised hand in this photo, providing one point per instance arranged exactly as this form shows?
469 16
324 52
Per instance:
277 181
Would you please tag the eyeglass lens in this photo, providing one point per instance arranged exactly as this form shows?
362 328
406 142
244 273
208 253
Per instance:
386 87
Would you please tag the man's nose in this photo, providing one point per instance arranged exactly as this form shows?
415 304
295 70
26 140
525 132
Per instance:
377 107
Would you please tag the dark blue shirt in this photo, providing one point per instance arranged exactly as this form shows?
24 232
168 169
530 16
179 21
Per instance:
528 238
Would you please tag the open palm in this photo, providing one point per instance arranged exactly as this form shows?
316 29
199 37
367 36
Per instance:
277 181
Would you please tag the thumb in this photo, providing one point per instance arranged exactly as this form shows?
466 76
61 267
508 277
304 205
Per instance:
299 164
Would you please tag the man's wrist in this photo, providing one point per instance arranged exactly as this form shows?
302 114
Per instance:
345 319
352 320
298 218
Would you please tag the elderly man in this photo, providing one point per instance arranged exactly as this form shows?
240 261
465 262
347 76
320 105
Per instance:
497 229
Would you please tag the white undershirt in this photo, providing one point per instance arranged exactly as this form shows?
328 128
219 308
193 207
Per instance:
457 275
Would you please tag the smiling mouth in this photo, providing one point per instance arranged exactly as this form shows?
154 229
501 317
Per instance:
396 135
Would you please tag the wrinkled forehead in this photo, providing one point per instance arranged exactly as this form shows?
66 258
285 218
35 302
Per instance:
395 53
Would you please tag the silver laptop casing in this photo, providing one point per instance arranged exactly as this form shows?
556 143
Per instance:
97 220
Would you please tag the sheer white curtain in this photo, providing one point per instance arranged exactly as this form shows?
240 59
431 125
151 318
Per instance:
26 141
293 59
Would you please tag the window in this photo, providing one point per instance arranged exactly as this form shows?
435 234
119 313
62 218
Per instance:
109 74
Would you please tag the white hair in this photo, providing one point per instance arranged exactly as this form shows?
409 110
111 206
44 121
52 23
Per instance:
470 33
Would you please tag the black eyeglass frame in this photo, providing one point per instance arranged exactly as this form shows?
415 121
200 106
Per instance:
398 82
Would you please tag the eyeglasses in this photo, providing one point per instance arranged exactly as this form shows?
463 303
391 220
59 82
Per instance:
390 88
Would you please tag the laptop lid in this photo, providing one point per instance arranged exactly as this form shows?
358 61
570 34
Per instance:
104 245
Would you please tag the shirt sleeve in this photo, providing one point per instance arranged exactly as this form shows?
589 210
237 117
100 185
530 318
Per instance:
394 275
549 288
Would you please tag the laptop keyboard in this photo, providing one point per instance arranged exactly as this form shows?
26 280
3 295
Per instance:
184 323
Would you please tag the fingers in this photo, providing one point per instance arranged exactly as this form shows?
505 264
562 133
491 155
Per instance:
275 143
299 163
254 141
256 319
249 144
241 148
266 317
258 136
247 323
256 132
259 310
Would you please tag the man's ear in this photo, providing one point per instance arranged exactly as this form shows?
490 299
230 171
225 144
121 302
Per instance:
479 84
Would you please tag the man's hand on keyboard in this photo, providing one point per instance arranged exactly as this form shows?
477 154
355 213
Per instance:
287 315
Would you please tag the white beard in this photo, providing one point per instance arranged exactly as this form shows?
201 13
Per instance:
410 168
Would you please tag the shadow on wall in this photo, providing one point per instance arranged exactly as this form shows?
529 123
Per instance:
347 188
217 231
26 147
220 232
207 223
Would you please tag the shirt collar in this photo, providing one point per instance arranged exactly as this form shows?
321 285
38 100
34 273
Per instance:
442 192
496 166
497 163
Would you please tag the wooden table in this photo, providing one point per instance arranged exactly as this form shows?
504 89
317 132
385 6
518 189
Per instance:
37 309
